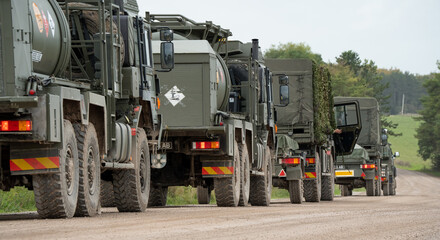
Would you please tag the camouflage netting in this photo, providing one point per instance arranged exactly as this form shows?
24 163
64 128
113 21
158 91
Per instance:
310 96
324 120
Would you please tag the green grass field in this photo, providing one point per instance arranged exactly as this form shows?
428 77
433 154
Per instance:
406 144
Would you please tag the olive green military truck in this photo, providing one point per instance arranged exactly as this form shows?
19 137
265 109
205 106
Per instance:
217 106
78 103
372 163
305 122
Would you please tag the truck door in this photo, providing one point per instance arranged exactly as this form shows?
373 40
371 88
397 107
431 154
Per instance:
348 120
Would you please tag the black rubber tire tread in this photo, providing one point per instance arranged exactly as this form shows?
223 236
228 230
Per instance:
158 196
261 186
350 192
127 187
378 190
245 175
88 201
344 190
328 184
370 186
107 194
393 187
296 191
203 195
386 189
227 189
50 190
312 188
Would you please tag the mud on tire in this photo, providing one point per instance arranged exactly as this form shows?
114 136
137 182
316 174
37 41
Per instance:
227 189
261 186
56 195
107 194
132 186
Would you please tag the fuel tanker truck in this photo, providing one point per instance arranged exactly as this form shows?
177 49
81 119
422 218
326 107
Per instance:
78 103
306 145
371 165
218 111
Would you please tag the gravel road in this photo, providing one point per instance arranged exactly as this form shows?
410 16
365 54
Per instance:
413 213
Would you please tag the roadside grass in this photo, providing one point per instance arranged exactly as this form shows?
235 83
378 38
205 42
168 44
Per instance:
18 199
407 145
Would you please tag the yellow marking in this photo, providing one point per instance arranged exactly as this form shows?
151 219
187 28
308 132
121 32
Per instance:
210 171
344 173
225 170
46 162
310 175
22 164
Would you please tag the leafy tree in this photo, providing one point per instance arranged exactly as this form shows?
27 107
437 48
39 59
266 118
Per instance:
293 50
428 132
351 59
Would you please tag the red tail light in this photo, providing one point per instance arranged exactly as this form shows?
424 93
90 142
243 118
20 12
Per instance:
206 145
368 166
291 161
16 126
311 160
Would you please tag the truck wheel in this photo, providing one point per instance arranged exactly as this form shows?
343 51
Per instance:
328 184
245 174
296 191
107 195
393 187
132 186
203 195
89 170
350 192
386 189
378 189
312 188
56 195
158 196
370 186
227 189
344 190
261 186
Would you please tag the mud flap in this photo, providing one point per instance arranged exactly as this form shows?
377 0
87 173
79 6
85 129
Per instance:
294 173
34 160
217 168
370 174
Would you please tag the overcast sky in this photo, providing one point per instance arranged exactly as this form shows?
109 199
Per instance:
402 34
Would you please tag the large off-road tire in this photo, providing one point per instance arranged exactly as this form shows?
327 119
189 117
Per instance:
227 189
328 183
245 175
89 170
344 190
312 188
158 196
203 195
107 194
378 190
56 195
370 186
393 187
296 191
132 186
261 186
386 188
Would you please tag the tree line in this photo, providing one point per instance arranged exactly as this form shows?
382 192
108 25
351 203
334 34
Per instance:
354 77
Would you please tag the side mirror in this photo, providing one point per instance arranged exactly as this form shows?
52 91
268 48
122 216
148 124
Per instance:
166 35
284 95
283 79
396 154
167 55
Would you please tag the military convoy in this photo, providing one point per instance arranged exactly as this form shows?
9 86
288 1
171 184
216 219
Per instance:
85 110
305 122
78 103
371 165
218 116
